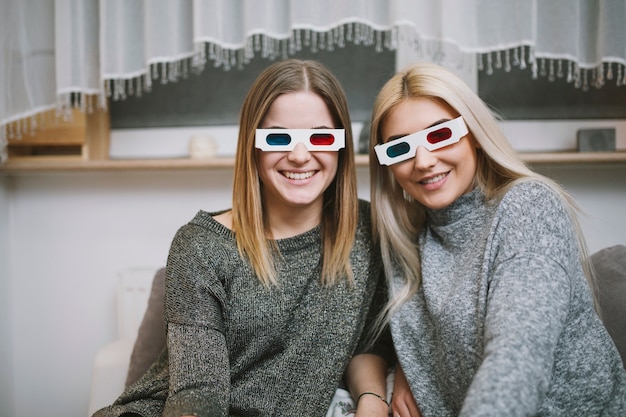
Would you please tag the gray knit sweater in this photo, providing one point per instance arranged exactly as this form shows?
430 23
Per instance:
238 348
503 324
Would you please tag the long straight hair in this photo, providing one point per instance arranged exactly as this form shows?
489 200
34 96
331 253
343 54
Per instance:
397 219
340 207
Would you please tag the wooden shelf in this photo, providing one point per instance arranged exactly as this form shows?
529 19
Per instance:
46 164
574 157
66 164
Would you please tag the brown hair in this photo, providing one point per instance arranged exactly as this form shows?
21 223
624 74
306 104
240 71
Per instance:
340 208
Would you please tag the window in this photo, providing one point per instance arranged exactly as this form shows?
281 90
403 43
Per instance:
214 96
516 95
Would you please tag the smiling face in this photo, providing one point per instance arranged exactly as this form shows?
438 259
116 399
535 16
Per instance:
434 179
297 178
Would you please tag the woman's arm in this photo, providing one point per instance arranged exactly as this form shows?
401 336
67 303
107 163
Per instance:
528 301
366 378
199 378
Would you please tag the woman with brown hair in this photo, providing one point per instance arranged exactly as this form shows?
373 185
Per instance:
268 303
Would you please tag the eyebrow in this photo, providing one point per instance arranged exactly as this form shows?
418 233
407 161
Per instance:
394 137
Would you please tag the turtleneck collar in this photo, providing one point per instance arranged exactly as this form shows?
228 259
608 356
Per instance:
468 205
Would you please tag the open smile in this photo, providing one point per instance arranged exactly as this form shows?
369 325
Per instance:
434 179
298 175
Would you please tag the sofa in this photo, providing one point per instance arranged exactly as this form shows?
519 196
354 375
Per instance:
610 267
609 264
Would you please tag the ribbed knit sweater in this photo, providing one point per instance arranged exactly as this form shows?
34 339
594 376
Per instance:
503 324
238 348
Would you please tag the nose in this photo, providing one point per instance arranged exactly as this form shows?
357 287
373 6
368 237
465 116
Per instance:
424 158
299 154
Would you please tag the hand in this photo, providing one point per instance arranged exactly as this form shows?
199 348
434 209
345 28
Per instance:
402 402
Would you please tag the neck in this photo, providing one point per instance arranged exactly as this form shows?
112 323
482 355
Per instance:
289 221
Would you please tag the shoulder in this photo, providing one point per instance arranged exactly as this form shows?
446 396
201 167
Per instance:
532 214
531 191
203 230
208 221
202 253
533 201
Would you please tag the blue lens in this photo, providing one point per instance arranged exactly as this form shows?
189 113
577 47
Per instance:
278 139
398 149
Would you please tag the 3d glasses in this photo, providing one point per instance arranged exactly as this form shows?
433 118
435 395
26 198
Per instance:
281 140
435 137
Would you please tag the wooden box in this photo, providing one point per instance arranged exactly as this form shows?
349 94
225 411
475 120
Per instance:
83 136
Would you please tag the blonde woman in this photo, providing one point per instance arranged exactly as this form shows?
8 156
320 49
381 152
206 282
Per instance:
491 304
267 303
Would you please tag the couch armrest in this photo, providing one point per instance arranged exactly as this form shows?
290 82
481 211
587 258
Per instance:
109 373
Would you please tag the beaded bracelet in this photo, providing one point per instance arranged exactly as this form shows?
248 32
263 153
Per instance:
371 393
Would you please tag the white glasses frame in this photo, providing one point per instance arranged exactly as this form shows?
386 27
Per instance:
300 136
458 130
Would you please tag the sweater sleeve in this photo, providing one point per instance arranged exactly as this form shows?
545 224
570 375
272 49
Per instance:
194 306
527 304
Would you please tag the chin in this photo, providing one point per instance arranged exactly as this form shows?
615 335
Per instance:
437 204
302 201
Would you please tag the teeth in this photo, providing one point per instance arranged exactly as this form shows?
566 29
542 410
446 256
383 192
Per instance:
434 179
298 175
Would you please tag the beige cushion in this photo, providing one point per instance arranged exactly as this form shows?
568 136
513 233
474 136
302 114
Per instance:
151 334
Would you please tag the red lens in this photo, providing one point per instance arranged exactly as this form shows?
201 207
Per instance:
439 135
322 139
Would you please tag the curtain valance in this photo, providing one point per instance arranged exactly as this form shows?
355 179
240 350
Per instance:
78 53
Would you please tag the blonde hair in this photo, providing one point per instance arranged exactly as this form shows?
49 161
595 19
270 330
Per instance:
397 219
340 208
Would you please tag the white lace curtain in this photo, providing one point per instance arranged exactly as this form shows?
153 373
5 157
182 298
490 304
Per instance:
78 53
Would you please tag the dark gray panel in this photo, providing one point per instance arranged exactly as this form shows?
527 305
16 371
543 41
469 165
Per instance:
214 96
516 95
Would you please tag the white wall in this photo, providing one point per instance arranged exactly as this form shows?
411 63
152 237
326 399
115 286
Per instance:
70 234
6 356
600 190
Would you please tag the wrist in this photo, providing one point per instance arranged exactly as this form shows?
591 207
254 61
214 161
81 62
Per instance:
372 400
